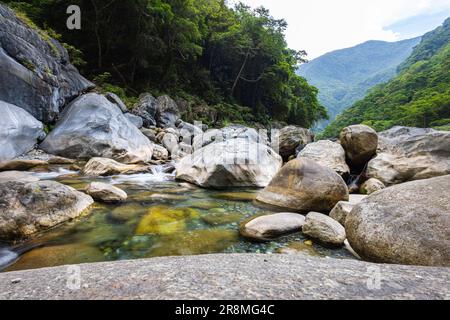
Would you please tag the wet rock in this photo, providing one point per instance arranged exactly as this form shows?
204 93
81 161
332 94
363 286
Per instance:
30 207
127 212
91 126
236 196
360 143
298 248
233 163
324 229
146 109
19 130
302 185
341 210
21 165
108 167
405 224
328 154
135 120
271 226
219 219
291 138
106 193
407 154
372 185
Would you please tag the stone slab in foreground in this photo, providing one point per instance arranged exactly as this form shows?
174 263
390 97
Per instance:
232 276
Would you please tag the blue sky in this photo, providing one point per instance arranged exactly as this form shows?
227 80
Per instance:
320 26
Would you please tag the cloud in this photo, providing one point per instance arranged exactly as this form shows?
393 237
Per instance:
320 26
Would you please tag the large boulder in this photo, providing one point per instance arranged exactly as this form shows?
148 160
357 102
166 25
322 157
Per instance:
146 109
30 207
232 163
407 154
404 224
19 131
293 138
167 112
328 154
303 186
92 126
360 143
35 71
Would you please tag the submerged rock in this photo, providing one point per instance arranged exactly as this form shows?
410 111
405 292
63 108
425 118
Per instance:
271 226
108 167
236 196
106 193
219 219
405 224
328 154
293 138
360 143
19 130
91 126
324 229
407 154
30 207
302 185
232 163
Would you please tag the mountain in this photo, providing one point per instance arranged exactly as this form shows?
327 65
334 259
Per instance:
344 76
418 96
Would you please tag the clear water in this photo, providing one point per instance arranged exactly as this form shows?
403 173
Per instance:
161 217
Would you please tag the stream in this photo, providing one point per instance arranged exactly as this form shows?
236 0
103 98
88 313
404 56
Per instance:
181 219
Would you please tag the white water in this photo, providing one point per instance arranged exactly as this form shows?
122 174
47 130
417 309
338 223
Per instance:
7 257
53 174
145 179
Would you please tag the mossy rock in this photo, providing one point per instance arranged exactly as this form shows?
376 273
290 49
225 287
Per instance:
127 212
219 219
205 205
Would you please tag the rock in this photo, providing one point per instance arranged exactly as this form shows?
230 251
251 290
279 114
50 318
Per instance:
407 154
106 193
127 212
328 154
170 142
356 198
30 207
291 138
19 130
91 126
341 211
298 247
160 153
21 165
135 120
220 219
236 196
360 143
183 150
108 167
188 131
39 155
7 176
167 112
405 224
146 109
150 134
302 185
35 72
372 185
113 98
233 163
271 226
227 133
324 229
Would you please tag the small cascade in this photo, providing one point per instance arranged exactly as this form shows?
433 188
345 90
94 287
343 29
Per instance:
53 174
159 173
7 257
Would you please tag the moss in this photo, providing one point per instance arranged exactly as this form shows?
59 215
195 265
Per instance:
28 64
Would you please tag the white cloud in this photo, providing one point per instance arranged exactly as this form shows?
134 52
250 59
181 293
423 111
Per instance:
320 26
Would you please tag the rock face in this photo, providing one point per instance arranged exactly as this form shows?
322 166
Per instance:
35 73
360 143
106 193
19 130
146 109
406 224
167 112
324 229
30 207
232 163
292 138
91 126
407 154
372 185
302 185
272 226
108 167
328 154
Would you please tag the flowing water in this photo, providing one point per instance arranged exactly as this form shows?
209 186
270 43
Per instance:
162 217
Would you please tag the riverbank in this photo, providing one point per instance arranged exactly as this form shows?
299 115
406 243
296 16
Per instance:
231 276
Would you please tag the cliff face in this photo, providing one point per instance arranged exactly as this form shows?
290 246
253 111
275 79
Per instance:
35 70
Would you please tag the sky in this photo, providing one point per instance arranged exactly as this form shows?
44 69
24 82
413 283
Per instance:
321 26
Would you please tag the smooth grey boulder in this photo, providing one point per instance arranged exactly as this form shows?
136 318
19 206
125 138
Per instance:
29 207
405 224
407 154
135 120
35 73
324 229
19 131
293 138
106 193
265 228
303 186
360 143
92 126
146 109
167 112
328 154
232 163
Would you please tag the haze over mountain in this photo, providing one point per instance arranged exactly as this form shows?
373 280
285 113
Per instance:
345 76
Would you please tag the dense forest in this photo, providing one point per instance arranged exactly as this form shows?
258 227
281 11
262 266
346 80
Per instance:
419 96
228 64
